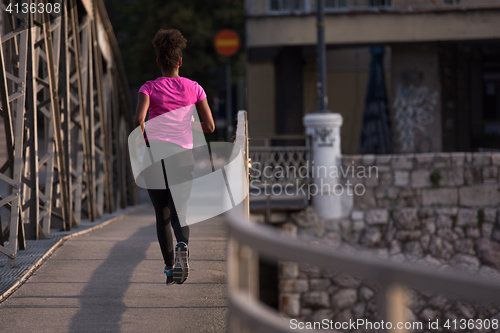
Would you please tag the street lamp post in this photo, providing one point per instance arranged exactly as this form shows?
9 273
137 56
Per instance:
321 58
324 128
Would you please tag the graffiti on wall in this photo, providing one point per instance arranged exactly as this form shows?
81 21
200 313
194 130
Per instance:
414 110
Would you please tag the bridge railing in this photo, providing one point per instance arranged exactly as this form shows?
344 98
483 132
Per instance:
248 241
279 168
243 263
66 114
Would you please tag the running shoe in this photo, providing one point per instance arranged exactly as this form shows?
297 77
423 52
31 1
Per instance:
181 267
170 277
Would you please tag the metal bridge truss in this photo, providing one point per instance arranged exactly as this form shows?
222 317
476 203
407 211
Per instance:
66 121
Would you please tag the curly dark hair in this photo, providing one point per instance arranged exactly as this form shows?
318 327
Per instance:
169 45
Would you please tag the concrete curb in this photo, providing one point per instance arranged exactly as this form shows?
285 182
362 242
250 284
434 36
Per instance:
27 274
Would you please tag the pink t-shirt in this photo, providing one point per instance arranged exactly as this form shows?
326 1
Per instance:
171 106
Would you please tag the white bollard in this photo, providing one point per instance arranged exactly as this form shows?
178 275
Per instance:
324 128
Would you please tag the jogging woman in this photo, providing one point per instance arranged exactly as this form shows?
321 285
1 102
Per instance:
171 100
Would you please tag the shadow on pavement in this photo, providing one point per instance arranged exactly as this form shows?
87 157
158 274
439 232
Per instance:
102 299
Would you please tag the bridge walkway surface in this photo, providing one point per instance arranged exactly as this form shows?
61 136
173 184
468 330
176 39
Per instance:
112 280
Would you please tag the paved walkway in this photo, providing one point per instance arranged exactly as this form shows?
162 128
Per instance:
112 280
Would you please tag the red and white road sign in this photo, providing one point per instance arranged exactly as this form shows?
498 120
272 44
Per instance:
227 42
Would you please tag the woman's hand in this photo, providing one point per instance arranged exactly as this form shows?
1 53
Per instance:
140 142
197 126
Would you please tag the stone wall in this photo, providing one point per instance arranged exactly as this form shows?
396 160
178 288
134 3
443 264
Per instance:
468 180
440 210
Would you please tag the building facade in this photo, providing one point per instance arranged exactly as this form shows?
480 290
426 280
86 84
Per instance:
441 65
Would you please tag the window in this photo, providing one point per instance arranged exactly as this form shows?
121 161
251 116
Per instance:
379 3
275 5
286 6
335 4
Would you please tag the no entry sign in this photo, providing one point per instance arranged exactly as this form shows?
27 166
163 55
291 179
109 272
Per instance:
227 43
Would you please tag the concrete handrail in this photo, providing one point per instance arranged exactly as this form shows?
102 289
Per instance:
248 240
270 243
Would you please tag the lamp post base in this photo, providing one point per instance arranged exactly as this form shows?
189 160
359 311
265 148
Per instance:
329 196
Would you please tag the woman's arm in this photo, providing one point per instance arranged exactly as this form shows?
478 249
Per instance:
207 125
141 111
196 125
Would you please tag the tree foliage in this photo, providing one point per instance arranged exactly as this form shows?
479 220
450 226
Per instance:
135 23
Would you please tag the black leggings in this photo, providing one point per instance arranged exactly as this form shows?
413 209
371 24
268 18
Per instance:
166 214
